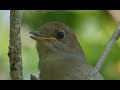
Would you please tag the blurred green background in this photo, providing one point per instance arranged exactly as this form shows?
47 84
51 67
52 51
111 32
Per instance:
93 29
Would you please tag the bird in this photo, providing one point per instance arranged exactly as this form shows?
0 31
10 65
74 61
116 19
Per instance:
61 56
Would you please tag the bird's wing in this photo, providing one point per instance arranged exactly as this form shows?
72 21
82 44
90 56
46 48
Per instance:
80 69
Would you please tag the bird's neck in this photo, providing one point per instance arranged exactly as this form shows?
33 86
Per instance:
58 65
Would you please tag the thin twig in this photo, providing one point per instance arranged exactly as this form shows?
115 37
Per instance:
15 46
98 66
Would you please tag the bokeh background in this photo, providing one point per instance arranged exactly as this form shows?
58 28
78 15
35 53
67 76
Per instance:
93 29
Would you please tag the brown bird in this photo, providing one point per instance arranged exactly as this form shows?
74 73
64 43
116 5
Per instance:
60 54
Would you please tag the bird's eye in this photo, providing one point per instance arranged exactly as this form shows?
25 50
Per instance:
61 34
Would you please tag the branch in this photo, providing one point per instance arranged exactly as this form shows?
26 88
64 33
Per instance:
98 66
15 46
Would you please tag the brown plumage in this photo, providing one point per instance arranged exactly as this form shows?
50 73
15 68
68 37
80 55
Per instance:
61 56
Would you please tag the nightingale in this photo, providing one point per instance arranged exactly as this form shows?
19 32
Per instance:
60 54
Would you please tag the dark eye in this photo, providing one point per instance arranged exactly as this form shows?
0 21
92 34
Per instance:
61 34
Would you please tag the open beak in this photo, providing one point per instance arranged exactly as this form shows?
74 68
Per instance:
39 36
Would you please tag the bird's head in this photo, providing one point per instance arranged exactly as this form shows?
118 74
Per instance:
55 36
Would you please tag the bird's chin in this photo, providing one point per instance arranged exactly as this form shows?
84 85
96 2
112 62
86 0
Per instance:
46 44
